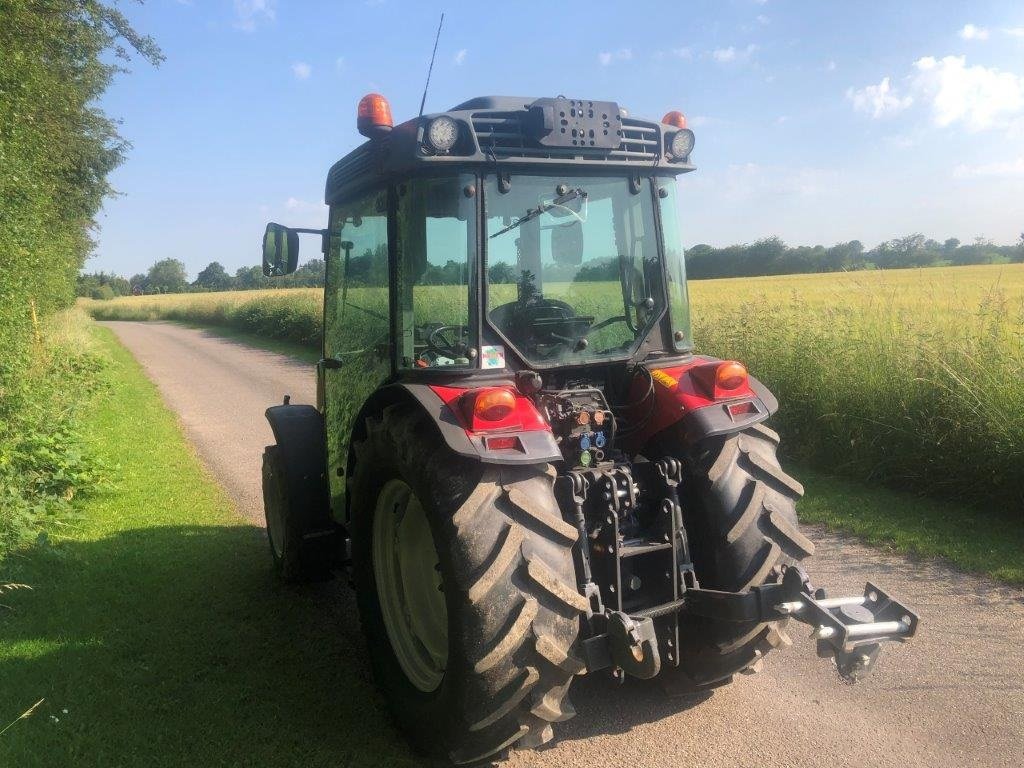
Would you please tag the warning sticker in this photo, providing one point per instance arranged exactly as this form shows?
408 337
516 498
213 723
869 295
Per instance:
492 356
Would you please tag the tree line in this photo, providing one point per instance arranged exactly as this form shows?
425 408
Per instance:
171 276
771 256
768 256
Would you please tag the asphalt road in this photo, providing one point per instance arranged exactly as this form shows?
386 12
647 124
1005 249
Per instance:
952 697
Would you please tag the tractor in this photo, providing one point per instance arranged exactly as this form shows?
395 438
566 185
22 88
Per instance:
516 455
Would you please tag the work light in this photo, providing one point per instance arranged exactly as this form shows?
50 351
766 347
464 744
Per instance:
442 133
681 144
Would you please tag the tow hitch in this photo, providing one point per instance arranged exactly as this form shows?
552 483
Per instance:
849 629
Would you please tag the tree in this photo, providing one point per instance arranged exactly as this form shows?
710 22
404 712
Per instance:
249 278
501 272
167 276
213 278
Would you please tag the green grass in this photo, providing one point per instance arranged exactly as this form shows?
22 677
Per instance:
158 626
158 636
970 539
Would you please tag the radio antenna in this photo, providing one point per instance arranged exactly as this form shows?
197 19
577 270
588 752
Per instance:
431 69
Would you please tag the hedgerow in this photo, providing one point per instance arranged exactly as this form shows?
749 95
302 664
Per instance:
56 151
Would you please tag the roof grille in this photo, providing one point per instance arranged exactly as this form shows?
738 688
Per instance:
358 162
503 135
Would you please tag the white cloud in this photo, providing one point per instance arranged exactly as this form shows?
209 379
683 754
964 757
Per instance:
301 70
460 57
249 13
1013 168
340 65
971 32
980 97
1014 31
733 54
762 19
831 66
607 57
878 100
678 53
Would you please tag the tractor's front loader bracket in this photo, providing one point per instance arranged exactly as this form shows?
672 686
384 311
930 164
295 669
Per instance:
850 629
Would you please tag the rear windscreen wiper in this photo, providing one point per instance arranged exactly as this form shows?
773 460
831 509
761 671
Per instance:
533 213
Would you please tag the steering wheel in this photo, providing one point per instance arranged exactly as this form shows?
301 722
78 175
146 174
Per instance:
447 340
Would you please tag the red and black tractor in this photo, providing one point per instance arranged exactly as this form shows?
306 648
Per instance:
516 452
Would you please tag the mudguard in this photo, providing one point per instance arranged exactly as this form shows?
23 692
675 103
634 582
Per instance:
299 432
683 401
535 446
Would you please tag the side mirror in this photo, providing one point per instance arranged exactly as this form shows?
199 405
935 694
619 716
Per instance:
280 250
567 244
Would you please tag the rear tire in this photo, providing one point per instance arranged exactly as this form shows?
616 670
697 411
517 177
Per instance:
505 560
740 515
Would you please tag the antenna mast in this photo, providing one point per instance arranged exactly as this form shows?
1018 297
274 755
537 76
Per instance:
431 69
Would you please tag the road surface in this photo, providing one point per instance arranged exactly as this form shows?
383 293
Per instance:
953 697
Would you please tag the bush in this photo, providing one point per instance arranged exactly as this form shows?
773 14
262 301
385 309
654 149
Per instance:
44 465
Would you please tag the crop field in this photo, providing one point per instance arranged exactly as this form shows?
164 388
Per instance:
910 377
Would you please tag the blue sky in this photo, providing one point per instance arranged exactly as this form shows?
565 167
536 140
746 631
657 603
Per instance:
815 121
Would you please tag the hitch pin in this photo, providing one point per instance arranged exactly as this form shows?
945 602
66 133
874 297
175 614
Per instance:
862 630
796 606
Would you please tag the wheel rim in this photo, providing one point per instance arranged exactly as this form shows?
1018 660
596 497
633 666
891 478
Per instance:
275 520
406 568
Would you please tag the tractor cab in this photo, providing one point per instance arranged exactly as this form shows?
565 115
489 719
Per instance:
516 453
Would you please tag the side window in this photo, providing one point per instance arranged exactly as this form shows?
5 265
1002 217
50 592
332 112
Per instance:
356 326
357 278
675 265
436 247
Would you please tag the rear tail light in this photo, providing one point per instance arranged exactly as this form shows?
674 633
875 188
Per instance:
731 376
493 404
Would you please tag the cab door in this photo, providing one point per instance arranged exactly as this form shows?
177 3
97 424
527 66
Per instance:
357 330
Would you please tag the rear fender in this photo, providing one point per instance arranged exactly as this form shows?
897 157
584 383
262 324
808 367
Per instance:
533 446
683 401
299 433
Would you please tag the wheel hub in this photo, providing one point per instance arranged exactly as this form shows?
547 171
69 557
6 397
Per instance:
409 588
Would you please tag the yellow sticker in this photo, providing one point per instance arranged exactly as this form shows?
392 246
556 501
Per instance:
664 379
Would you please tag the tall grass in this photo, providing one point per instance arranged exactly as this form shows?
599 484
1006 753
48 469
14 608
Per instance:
910 377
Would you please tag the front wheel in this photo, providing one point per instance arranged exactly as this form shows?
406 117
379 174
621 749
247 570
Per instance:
466 591
740 516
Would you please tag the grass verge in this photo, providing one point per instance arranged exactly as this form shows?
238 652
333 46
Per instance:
971 539
157 634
